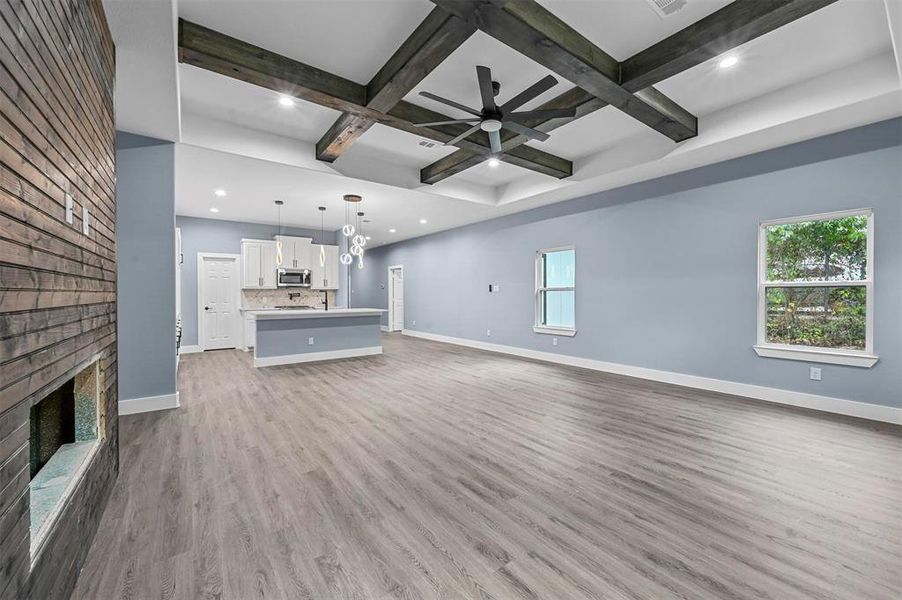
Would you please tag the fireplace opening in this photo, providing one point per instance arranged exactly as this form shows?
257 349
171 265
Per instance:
52 425
65 430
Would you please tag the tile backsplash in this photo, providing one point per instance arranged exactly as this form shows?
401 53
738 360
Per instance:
299 297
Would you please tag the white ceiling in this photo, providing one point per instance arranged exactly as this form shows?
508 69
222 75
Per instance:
351 38
830 70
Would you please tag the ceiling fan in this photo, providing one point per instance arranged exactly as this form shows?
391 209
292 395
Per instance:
492 118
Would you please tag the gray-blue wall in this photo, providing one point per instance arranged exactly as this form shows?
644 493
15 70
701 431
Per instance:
214 235
145 249
666 269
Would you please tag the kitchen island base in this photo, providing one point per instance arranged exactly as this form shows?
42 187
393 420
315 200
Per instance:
290 337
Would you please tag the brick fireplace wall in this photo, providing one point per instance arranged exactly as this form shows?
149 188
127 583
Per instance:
57 283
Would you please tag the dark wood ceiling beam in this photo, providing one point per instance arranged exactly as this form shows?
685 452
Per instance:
532 30
737 23
731 26
217 52
432 42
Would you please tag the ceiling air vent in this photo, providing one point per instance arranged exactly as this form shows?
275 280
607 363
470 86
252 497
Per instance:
427 144
665 8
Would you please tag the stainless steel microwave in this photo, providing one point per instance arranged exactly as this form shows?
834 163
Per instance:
293 278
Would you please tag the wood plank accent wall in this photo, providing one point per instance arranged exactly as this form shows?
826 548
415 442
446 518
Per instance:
57 286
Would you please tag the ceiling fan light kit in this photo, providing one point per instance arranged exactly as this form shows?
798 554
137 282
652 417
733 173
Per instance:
493 118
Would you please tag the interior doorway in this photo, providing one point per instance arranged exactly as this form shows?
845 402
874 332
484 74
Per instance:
217 300
396 298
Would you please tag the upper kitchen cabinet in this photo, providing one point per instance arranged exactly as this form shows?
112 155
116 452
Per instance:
258 264
296 252
324 277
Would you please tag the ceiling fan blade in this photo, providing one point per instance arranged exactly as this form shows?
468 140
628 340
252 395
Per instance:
456 105
484 76
454 122
539 87
495 141
529 132
472 129
551 113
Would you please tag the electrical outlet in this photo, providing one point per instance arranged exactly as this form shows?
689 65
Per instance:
815 373
554 341
310 341
414 322
488 333
70 205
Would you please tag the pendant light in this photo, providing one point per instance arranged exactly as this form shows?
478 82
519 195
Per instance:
322 249
360 240
348 229
279 256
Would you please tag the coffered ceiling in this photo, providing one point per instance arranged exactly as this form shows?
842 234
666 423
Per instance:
821 72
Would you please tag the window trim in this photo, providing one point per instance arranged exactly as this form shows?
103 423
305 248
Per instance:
538 326
855 358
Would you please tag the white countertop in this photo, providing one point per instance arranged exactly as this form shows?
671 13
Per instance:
312 313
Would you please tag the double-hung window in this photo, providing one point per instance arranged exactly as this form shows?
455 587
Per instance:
815 288
556 291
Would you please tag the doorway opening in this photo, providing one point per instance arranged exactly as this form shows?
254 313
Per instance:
396 298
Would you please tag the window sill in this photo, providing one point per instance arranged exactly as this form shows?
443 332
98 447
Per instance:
834 357
554 330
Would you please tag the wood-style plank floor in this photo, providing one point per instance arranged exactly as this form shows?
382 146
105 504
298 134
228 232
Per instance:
435 471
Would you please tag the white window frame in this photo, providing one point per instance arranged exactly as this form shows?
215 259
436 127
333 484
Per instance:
538 326
855 358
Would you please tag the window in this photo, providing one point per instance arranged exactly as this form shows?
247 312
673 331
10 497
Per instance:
556 291
815 288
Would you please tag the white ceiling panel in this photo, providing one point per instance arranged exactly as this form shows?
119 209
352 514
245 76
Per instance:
351 38
624 27
403 147
827 40
218 97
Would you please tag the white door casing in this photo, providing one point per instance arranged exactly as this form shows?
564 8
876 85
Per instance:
217 295
396 298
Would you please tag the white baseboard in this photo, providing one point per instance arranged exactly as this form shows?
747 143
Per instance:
290 359
134 406
383 328
190 350
863 410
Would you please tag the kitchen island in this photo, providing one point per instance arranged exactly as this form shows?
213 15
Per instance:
291 336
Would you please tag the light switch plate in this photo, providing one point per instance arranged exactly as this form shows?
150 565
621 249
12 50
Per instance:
70 204
554 341
815 373
85 221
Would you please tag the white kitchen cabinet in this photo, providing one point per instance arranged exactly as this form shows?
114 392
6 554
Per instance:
296 252
258 264
325 277
249 333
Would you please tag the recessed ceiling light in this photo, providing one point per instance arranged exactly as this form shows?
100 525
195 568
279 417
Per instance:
214 210
727 62
220 193
369 237
391 230
286 101
422 221
494 162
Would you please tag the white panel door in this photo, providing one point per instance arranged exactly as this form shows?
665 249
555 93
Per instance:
220 285
397 304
